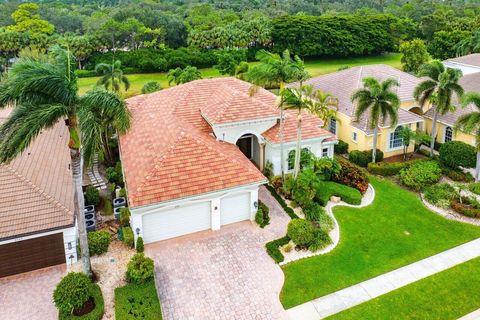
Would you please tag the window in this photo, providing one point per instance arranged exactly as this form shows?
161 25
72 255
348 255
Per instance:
332 126
291 159
305 157
354 136
448 134
324 152
396 140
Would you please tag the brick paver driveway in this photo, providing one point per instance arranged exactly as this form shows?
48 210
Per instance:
224 274
28 296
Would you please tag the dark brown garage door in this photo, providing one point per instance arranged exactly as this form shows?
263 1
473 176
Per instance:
32 254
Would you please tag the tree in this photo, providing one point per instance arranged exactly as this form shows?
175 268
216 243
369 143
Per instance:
443 45
27 20
379 100
81 46
414 55
180 76
324 106
438 89
228 60
151 86
112 76
275 70
470 123
44 92
469 45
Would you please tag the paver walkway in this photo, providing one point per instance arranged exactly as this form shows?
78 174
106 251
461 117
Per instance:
224 274
94 175
367 290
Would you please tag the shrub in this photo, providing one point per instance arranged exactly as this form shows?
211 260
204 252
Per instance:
313 211
140 269
326 168
107 207
326 222
137 301
92 196
474 187
122 193
326 189
421 174
151 86
128 238
261 217
283 204
363 158
272 248
468 207
268 169
352 176
288 186
321 239
457 174
96 313
98 242
288 247
72 292
114 174
457 153
390 168
304 187
140 247
124 217
341 147
300 231
437 193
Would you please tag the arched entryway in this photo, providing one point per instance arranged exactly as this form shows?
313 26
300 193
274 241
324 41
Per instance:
251 148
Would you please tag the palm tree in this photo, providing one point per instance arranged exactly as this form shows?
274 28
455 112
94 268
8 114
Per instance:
275 70
44 91
438 90
380 101
112 76
470 123
324 106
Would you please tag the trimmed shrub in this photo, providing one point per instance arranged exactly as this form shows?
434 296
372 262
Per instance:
300 231
456 154
151 86
341 147
440 194
124 217
72 292
351 175
92 196
321 239
391 168
474 187
128 238
273 251
261 217
140 247
137 301
326 189
98 242
139 269
363 158
421 174
96 313
283 204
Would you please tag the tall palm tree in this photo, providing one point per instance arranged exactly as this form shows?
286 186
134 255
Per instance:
276 70
438 89
43 92
324 106
380 102
112 76
470 123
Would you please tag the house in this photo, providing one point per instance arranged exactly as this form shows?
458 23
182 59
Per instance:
37 227
468 64
356 132
193 157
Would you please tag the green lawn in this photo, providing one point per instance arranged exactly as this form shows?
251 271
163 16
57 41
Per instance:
137 301
394 231
314 67
447 295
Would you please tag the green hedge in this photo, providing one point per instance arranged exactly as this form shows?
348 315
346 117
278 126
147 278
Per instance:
363 158
456 154
96 313
98 242
341 147
390 168
128 237
326 189
421 175
137 301
274 252
284 205
261 217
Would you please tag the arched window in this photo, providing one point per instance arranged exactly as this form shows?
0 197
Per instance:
305 158
396 140
448 134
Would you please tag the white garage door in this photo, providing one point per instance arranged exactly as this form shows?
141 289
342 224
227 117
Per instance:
235 208
176 222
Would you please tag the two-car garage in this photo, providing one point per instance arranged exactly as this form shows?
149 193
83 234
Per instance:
201 215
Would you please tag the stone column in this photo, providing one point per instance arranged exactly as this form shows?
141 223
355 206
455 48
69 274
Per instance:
262 156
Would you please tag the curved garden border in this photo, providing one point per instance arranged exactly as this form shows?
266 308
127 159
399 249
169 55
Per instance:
334 234
449 214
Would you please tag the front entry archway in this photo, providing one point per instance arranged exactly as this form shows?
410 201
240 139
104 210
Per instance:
250 147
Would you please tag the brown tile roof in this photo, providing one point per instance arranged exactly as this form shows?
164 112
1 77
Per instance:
404 117
169 151
471 59
343 84
36 190
470 83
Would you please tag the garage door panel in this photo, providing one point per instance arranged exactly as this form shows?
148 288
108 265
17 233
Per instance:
176 222
235 208
31 254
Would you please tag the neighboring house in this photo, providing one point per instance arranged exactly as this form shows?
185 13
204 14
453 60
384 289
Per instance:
468 64
36 205
445 123
357 134
193 156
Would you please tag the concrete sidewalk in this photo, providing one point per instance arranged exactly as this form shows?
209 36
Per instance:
367 290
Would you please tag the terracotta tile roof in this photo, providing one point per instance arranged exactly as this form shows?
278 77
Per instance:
311 128
36 190
343 84
170 152
471 59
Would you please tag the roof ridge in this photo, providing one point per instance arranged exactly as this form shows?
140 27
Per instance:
39 191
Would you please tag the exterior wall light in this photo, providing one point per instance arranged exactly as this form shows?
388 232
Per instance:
255 204
137 231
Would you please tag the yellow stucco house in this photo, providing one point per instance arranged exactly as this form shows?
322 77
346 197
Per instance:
357 134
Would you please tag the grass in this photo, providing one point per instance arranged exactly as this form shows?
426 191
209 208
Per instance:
395 230
446 295
137 301
314 67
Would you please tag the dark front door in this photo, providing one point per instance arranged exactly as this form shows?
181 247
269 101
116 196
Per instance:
245 145
31 254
